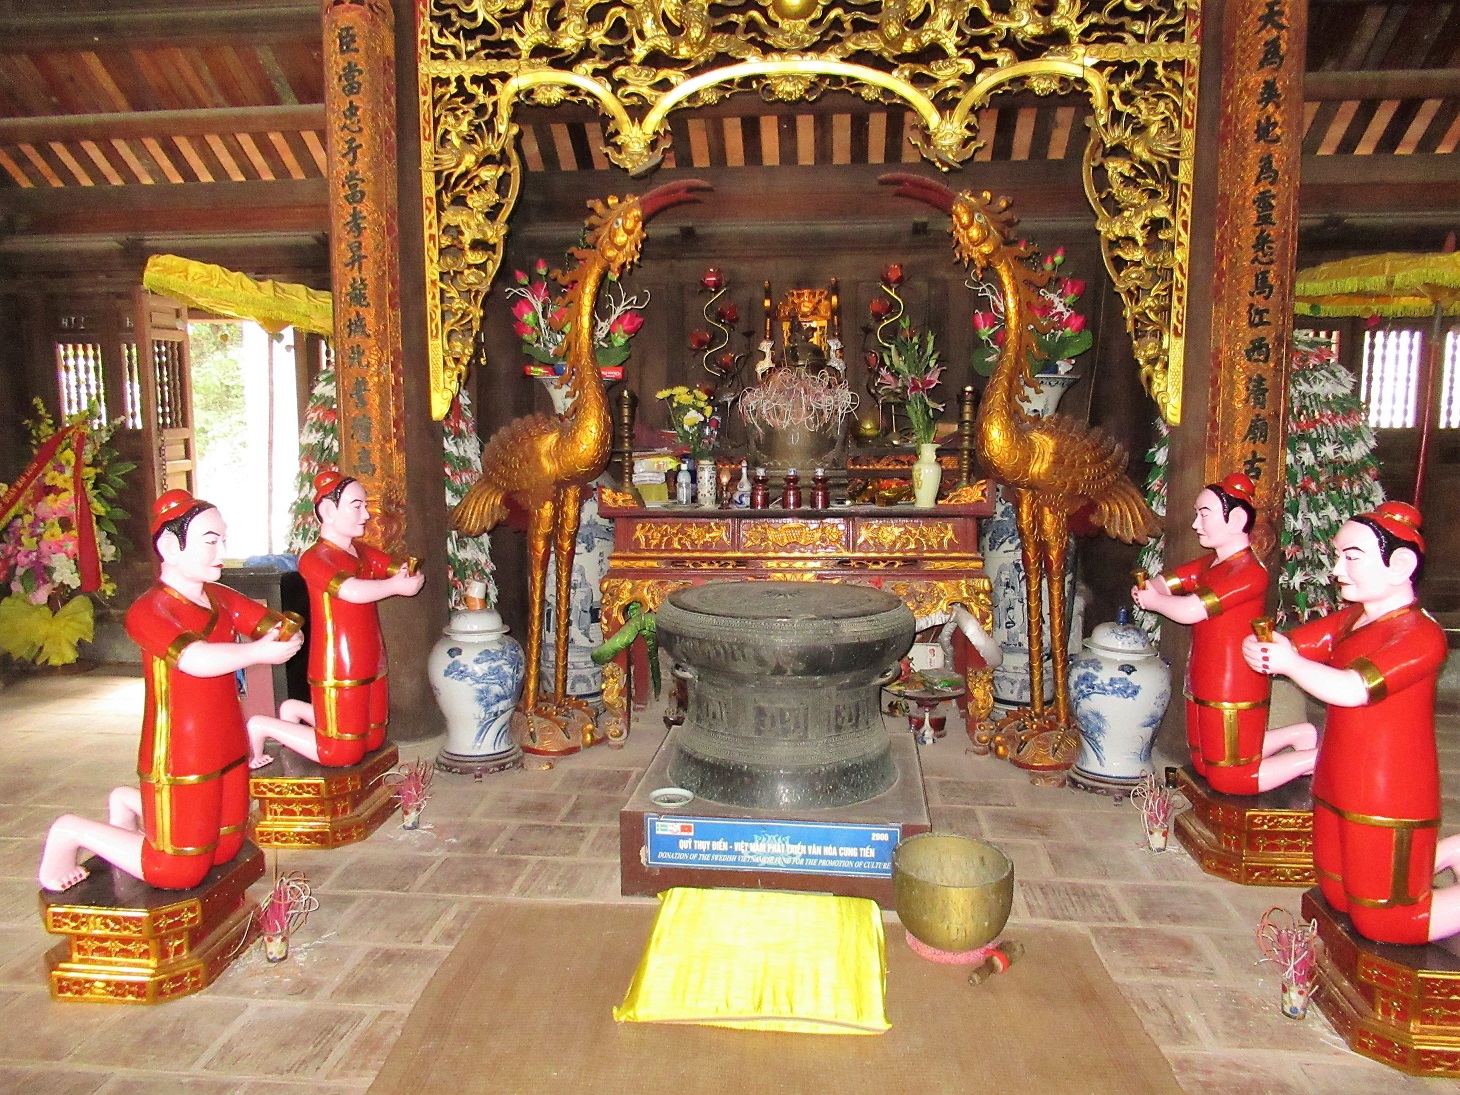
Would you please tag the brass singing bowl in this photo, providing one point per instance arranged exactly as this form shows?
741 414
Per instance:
952 892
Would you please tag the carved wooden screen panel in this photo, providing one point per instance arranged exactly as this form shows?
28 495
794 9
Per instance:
165 383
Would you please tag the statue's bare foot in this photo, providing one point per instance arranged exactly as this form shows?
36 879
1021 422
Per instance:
59 869
261 761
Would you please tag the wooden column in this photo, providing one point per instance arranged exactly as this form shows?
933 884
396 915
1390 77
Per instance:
1258 156
1229 251
359 100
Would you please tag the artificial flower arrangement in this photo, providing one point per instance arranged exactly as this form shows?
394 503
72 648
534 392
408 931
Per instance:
692 418
906 370
716 357
541 316
1064 336
50 550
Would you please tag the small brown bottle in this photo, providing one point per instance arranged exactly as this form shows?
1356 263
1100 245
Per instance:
820 490
760 490
791 491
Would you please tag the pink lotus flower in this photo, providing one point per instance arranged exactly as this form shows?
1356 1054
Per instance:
524 331
1075 323
525 312
984 321
519 276
999 336
1073 289
538 291
540 267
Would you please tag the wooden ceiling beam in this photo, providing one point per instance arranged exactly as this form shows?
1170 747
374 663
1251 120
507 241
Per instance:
137 26
162 123
287 205
1381 84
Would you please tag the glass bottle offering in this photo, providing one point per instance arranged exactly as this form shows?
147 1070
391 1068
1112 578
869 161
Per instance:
791 491
760 490
820 490
683 485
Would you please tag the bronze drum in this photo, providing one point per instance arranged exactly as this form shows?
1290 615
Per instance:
783 681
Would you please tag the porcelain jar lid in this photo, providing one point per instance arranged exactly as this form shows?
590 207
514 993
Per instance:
1121 637
479 624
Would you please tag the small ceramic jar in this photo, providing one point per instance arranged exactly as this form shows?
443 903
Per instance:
1120 687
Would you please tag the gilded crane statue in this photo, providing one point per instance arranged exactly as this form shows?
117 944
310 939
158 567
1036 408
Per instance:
1054 465
544 462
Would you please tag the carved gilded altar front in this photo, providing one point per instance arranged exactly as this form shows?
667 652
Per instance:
637 61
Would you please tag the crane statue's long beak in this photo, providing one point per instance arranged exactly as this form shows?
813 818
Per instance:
673 193
920 188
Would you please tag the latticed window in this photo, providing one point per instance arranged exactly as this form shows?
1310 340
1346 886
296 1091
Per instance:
1389 381
80 380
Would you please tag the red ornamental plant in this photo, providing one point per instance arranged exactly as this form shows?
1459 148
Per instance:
540 318
906 369
1066 336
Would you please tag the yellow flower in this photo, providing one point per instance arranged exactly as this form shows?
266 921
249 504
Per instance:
663 393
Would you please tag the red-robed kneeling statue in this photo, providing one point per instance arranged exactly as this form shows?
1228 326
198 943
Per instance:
1376 786
189 814
345 577
1227 702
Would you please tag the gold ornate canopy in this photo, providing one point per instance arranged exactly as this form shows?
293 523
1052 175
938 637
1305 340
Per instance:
639 60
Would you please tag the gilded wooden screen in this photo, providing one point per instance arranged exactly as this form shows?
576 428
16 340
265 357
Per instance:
639 60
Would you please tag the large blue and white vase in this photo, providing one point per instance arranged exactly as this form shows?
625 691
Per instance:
1120 687
999 543
585 627
476 671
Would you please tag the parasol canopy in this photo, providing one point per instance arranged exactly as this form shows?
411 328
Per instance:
273 305
1392 285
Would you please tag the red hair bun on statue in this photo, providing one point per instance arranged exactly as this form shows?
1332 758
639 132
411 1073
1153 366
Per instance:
1400 520
169 506
325 482
1240 486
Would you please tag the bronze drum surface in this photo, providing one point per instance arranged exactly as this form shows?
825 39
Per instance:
783 681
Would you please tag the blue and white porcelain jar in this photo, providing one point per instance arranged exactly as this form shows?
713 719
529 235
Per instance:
1120 687
476 671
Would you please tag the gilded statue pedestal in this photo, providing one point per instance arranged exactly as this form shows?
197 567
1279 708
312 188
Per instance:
306 805
131 943
1257 840
1395 1004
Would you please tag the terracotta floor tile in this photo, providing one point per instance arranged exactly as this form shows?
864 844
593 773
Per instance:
522 806
605 780
1148 952
1175 903
310 971
1237 1073
15 1080
595 808
547 840
1167 1012
960 820
1022 824
473 876
971 792
470 835
603 843
569 881
1070 859
161 1084
410 919
1080 902
170 1039
388 872
1030 862
21 951
34 1028
363 1058
1360 1076
285 1041
391 976
450 927
1249 1016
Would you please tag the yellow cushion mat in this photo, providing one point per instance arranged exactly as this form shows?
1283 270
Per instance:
762 960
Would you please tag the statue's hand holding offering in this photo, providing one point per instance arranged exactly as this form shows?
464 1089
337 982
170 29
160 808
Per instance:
407 583
275 648
1272 658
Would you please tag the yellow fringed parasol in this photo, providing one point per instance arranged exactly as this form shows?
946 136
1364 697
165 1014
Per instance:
273 305
1392 285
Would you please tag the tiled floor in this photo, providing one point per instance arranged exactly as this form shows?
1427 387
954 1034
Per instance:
1178 942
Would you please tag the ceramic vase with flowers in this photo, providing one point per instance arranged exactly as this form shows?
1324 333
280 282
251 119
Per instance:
905 372
540 319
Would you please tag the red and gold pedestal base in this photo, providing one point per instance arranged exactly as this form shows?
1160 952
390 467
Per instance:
1257 840
131 943
306 805
1395 1004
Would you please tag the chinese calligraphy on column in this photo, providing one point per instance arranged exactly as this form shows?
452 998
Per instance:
359 98
1259 154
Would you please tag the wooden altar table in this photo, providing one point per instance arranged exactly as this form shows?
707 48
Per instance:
928 557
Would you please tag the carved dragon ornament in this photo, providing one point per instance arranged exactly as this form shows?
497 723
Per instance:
636 61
